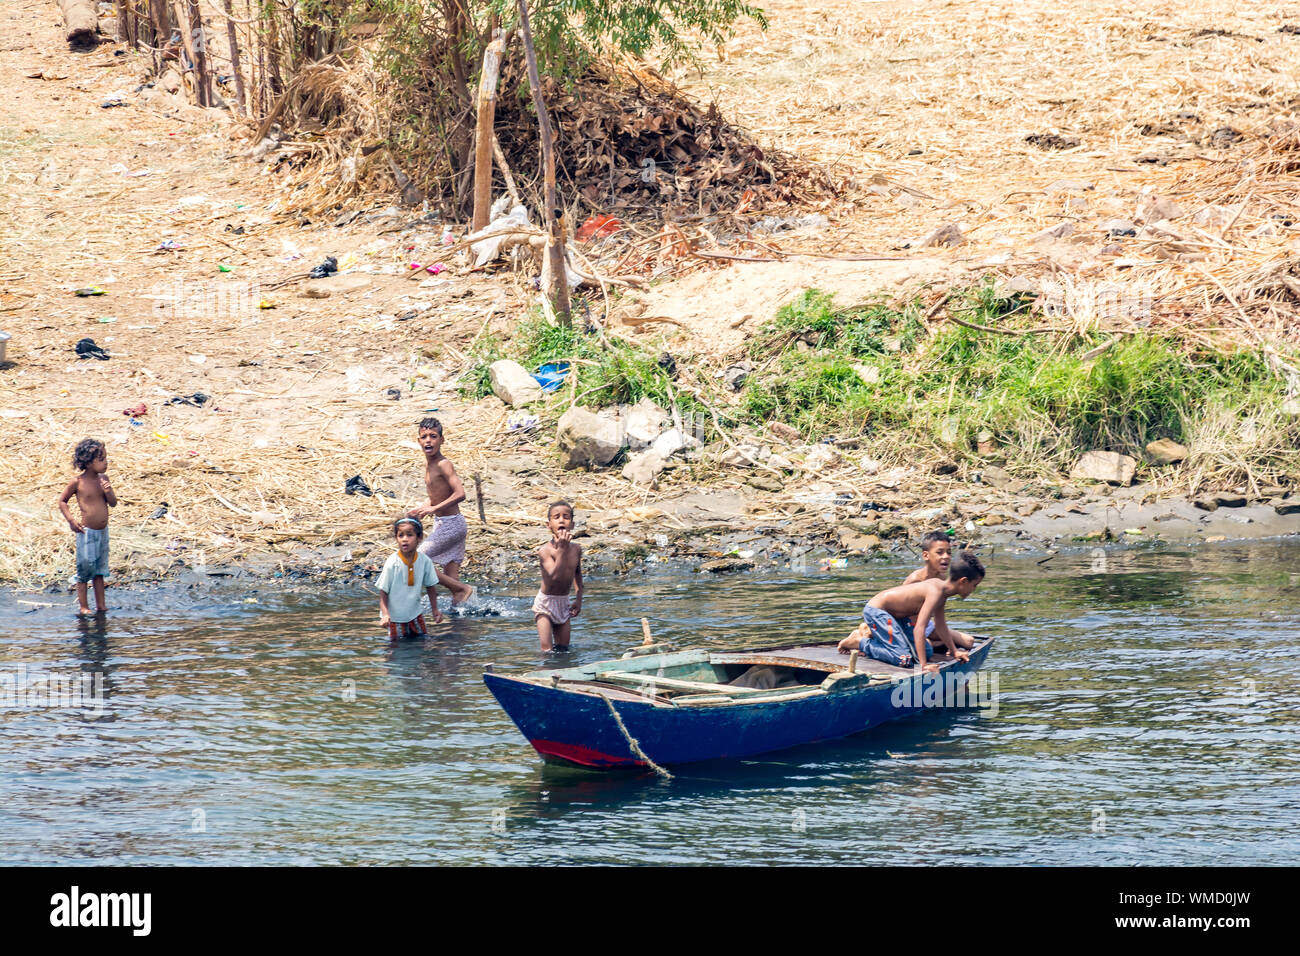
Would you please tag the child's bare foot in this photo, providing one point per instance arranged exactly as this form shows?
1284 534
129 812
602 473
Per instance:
849 643
459 595
83 611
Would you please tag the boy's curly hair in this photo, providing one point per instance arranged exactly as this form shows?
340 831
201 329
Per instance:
88 449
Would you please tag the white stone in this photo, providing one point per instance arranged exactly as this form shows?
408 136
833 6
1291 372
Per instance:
643 468
512 384
820 457
742 456
643 423
1105 466
588 439
870 374
670 442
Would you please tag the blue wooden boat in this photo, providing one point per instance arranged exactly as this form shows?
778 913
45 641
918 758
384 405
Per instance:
678 707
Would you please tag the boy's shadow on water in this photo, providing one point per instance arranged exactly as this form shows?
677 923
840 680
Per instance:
847 763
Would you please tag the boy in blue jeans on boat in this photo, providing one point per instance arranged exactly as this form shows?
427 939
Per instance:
894 621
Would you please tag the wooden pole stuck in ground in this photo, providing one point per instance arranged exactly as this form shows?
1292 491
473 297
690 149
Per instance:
478 491
487 109
559 279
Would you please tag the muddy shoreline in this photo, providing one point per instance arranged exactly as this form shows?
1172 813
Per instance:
820 537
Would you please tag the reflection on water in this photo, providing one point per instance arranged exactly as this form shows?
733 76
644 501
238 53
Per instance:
1147 715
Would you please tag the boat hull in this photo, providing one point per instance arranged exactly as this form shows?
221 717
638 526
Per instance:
578 727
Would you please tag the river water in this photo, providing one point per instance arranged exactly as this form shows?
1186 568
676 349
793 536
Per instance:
1146 714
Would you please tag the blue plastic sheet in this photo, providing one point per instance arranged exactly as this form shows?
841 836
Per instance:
552 376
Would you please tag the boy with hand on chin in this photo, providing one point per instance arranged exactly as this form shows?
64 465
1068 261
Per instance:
896 620
446 542
94 494
561 562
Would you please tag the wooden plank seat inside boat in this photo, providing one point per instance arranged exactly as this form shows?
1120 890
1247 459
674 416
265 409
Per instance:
826 657
669 684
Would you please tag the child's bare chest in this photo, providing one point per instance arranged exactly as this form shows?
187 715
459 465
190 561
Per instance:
89 491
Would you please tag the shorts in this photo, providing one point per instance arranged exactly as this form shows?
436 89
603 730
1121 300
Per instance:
92 554
414 628
446 541
553 606
891 641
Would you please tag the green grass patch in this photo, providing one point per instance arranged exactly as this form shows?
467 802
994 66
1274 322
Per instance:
1035 393
609 372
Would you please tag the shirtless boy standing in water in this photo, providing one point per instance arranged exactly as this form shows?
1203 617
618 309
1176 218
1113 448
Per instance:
94 494
561 562
445 545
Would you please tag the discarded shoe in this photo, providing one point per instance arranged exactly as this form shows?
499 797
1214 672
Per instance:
356 485
325 269
86 348
198 399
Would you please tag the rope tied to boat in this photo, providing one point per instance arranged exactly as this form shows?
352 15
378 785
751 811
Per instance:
632 741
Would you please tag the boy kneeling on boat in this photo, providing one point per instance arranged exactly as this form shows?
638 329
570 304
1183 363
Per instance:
894 621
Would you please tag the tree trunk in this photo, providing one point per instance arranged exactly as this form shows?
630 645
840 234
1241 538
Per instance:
234 60
82 20
559 278
487 107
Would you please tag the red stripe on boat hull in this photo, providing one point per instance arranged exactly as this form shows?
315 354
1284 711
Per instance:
576 753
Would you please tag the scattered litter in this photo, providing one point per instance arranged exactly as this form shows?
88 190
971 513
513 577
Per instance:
735 375
86 348
198 359
394 393
436 268
787 223
106 320
828 563
552 376
161 510
597 227
170 245
92 290
112 100
356 485
135 411
224 268
163 437
198 399
326 268
266 304
521 422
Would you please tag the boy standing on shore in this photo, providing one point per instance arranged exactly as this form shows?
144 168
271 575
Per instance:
445 545
94 494
895 621
561 562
